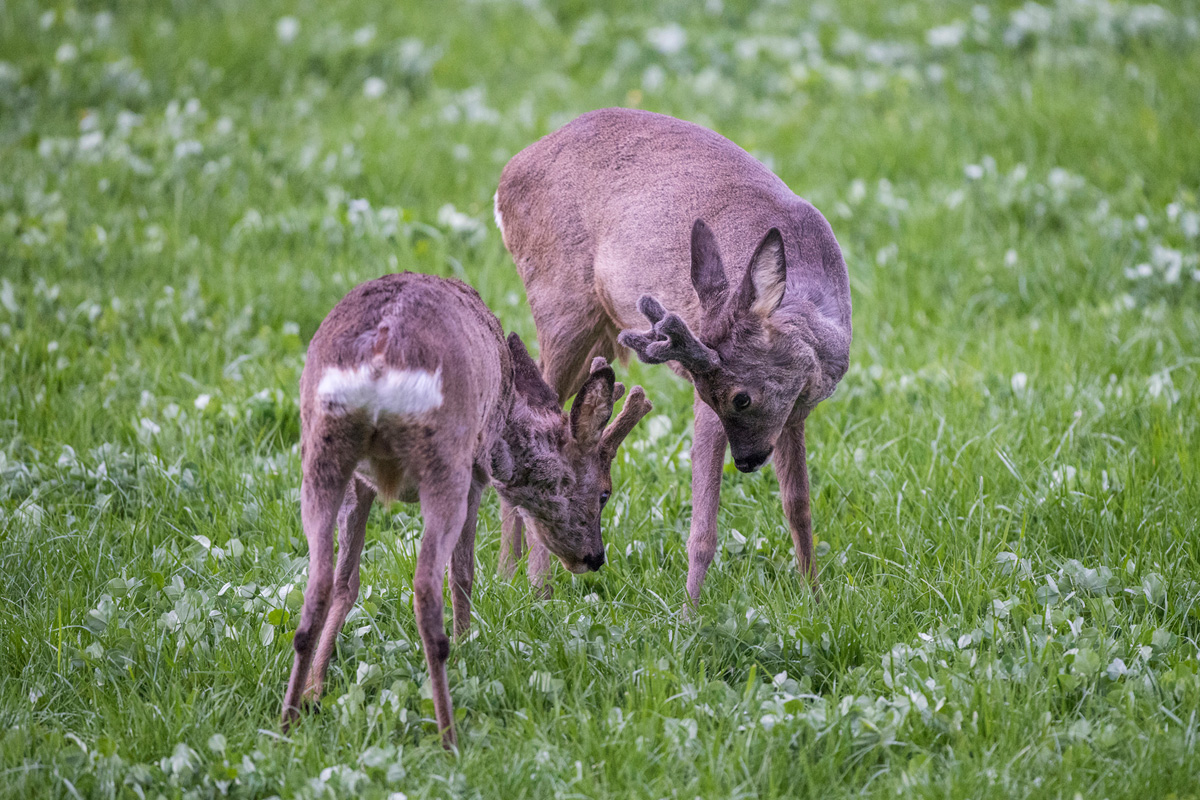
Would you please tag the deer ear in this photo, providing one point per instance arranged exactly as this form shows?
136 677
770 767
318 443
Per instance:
527 378
592 407
766 277
708 272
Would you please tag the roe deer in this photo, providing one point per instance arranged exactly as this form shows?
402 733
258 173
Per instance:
622 214
410 391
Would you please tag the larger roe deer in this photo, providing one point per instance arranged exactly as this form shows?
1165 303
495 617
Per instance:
622 214
410 391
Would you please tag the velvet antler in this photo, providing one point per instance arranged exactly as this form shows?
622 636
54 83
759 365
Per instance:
636 406
669 339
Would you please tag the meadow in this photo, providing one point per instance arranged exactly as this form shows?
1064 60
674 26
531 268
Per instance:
1006 486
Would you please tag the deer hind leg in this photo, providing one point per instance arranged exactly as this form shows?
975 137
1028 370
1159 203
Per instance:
708 458
444 505
462 564
352 530
327 472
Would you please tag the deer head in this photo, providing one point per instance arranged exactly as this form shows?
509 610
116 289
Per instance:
763 352
555 466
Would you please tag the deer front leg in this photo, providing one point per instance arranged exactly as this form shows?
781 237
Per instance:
566 352
444 505
352 531
512 540
321 496
539 568
462 564
708 458
791 467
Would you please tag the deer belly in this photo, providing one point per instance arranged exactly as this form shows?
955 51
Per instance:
390 479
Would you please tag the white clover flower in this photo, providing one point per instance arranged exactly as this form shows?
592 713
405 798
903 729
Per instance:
1159 385
653 78
90 141
668 40
462 224
127 121
1189 223
1169 260
945 37
66 53
858 190
1062 476
364 35
287 29
373 88
973 171
1019 382
188 147
1026 22
202 402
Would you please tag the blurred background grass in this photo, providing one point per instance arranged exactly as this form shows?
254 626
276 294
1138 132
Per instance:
187 188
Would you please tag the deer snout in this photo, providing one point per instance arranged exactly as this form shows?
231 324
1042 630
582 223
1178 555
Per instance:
751 462
594 561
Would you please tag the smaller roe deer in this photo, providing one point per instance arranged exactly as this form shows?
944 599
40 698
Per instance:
410 391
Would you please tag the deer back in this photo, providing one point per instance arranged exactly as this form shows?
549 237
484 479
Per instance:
418 359
609 200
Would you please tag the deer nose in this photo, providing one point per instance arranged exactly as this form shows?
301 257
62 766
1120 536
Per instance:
595 561
751 462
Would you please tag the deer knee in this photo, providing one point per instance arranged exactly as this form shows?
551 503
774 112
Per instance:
320 587
428 604
702 549
305 637
344 594
316 607
437 647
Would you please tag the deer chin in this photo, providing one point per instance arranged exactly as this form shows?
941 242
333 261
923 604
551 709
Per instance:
575 567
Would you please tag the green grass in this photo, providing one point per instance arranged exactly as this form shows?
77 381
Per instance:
1006 485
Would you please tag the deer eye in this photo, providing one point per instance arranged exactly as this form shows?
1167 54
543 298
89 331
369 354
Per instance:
741 401
604 497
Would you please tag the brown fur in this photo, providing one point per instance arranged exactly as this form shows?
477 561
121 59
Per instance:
494 420
623 214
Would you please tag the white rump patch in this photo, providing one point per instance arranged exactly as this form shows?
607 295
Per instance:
395 392
499 217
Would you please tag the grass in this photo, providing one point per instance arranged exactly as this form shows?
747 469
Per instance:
1006 486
